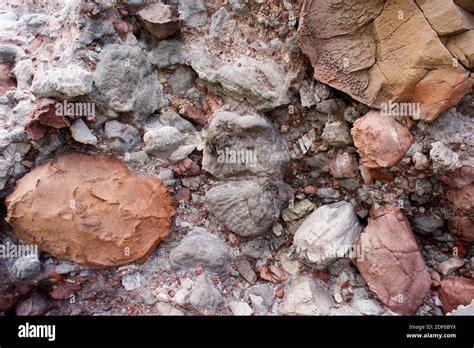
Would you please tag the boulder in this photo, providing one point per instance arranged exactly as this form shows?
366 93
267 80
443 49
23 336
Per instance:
243 145
391 261
328 233
101 215
382 51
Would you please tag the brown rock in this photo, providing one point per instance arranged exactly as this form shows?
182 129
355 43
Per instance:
462 227
189 112
445 17
90 210
455 291
391 261
468 5
459 178
344 165
159 19
7 82
382 51
462 47
186 168
45 116
462 199
380 140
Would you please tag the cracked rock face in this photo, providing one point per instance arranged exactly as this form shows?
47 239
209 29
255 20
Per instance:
386 50
102 215
243 145
329 231
380 140
244 207
391 261
456 291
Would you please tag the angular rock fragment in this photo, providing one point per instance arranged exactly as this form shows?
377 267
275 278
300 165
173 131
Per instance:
205 295
201 249
383 51
193 12
159 19
34 305
101 215
455 291
81 133
166 53
391 261
305 297
344 165
45 115
243 145
244 207
380 140
462 227
328 233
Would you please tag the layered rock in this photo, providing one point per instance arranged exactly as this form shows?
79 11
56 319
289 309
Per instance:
392 264
327 234
101 215
382 51
455 291
380 140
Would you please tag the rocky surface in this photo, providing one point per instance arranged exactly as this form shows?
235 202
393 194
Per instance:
197 157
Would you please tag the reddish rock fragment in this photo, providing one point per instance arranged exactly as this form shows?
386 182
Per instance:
160 20
186 168
462 227
380 140
344 165
391 261
7 81
45 115
456 291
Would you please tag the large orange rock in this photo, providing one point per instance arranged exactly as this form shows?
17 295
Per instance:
382 51
90 210
380 140
391 261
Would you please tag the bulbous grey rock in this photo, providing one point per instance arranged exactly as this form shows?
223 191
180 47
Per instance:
193 12
125 81
161 139
328 233
125 137
26 267
201 249
166 53
244 207
264 84
243 145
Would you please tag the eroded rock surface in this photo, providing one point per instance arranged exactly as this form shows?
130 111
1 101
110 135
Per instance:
101 216
392 264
